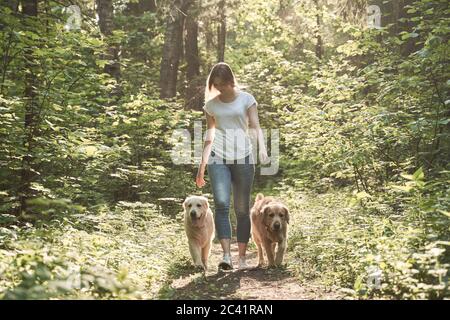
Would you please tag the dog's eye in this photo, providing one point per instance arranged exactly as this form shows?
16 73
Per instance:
199 205
281 215
271 215
189 205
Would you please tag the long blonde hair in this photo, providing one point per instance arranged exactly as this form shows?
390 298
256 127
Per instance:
222 71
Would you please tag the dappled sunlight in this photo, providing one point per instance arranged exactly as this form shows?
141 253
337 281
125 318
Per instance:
105 108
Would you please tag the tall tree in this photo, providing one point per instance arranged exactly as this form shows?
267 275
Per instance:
27 175
105 11
208 31
195 85
221 32
173 38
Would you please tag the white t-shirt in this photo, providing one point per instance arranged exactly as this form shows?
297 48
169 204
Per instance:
231 139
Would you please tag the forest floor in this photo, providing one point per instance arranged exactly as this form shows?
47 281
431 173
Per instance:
132 251
252 283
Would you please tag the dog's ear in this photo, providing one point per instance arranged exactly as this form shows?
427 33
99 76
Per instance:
185 201
286 214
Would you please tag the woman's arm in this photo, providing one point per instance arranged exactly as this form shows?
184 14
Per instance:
210 132
255 129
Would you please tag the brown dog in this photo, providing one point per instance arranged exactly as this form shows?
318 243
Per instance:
269 227
199 227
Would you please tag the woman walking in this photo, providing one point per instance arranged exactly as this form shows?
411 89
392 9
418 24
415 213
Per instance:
231 115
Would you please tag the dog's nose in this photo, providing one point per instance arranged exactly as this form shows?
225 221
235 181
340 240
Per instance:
193 214
276 225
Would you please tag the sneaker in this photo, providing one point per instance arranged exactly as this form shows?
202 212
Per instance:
226 264
242 264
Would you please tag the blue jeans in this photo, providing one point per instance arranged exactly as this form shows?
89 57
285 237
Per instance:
222 177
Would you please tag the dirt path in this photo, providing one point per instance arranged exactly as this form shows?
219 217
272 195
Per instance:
256 283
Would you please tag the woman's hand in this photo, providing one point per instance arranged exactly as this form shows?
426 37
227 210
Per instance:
199 180
263 157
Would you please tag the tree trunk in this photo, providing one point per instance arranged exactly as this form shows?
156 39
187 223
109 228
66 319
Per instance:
411 44
221 32
27 175
194 93
391 13
105 13
192 47
172 48
182 42
209 35
208 30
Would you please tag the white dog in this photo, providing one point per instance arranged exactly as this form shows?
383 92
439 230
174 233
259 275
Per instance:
199 227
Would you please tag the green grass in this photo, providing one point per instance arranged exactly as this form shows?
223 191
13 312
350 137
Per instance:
124 252
132 251
335 241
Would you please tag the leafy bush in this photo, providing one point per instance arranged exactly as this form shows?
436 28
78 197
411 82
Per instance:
401 256
119 253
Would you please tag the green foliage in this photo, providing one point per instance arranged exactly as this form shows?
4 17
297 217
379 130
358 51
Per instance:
364 129
371 120
123 252
345 246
